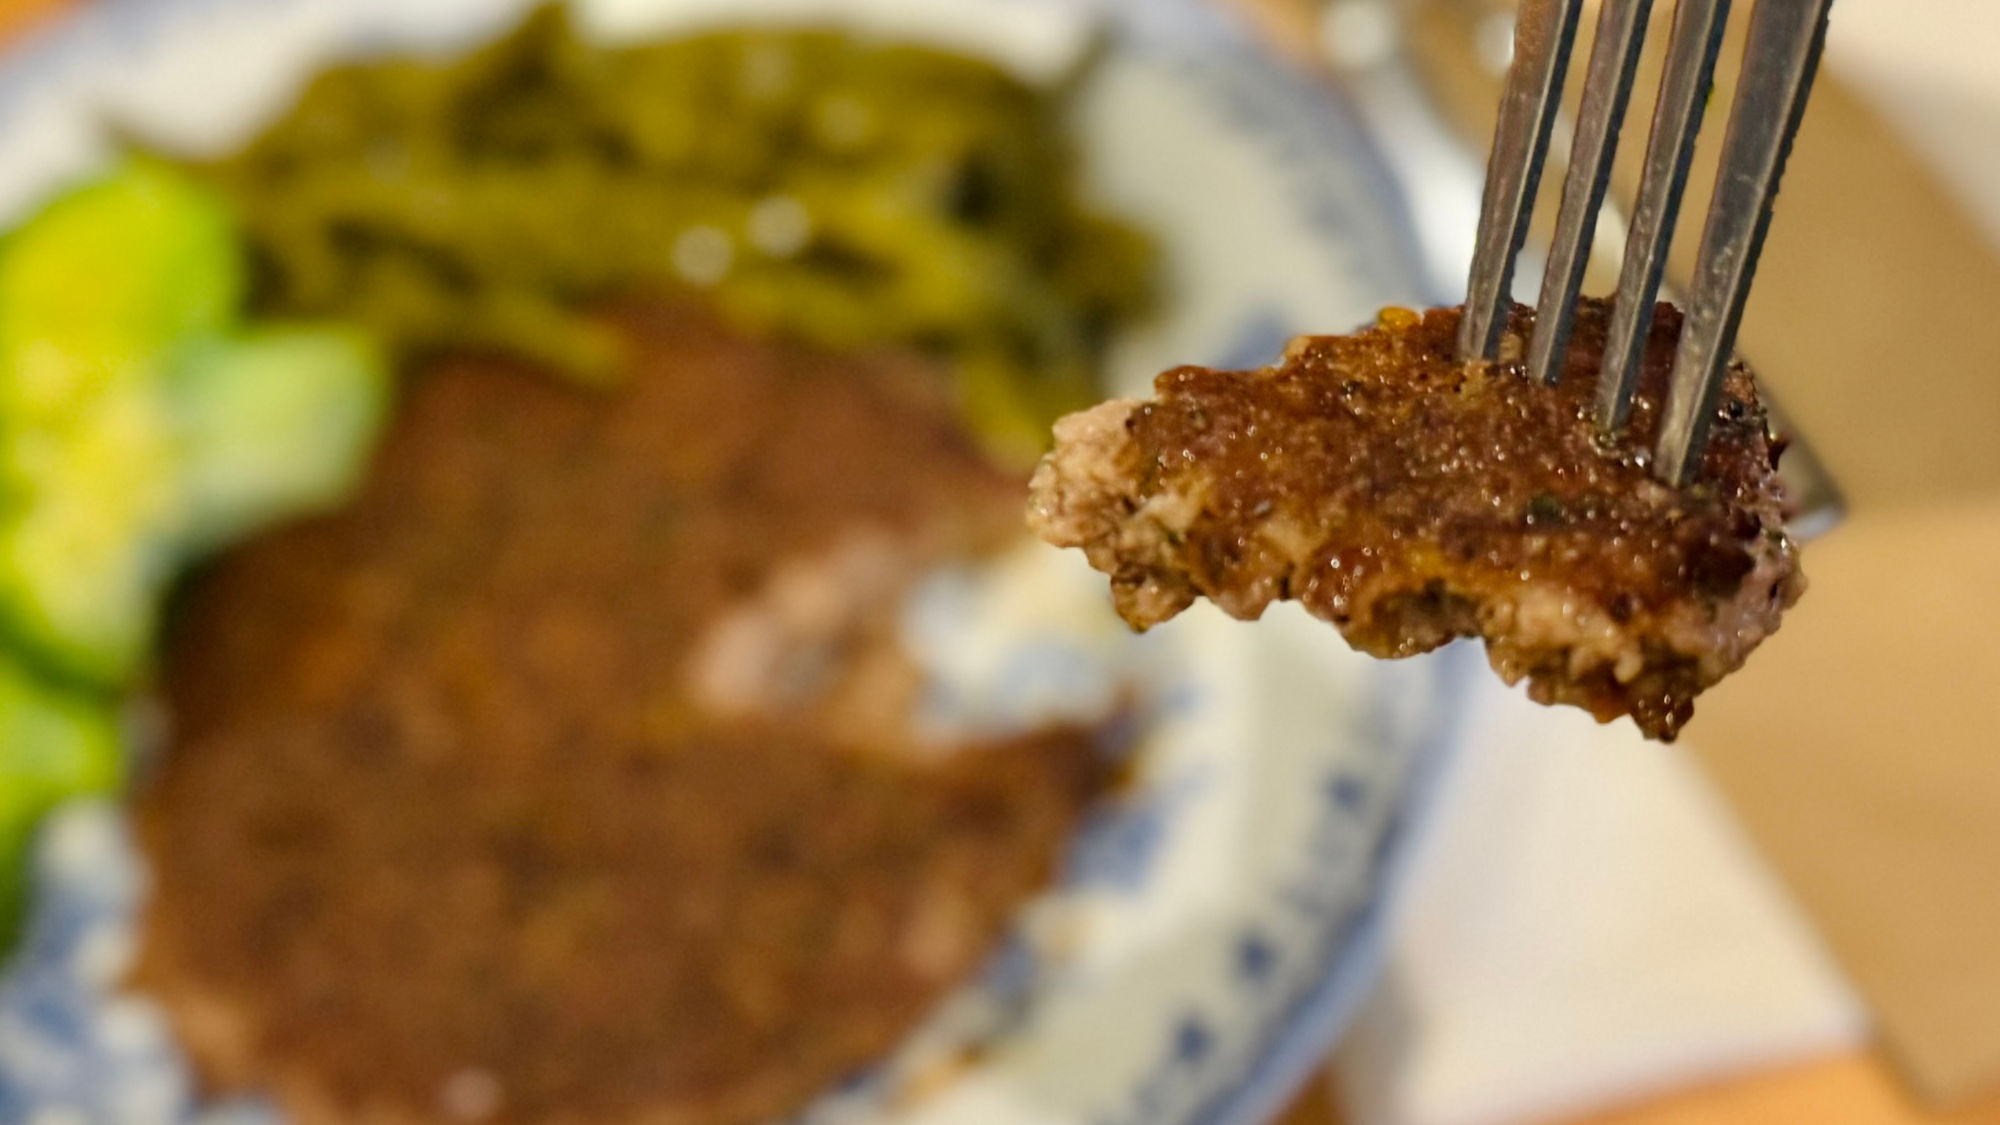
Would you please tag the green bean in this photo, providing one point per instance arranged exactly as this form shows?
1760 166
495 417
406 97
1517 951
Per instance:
848 194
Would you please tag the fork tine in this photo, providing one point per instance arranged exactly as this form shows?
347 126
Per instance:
1779 59
1543 34
1695 41
1607 88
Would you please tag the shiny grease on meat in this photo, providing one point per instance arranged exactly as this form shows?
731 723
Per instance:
1410 499
449 812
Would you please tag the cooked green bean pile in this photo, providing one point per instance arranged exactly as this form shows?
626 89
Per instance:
848 193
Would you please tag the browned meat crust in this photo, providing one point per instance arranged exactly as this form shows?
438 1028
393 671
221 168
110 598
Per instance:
446 831
1409 499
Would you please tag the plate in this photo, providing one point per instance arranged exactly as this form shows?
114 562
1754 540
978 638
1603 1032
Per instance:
1215 925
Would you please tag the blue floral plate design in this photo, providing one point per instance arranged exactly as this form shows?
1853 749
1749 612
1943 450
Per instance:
1217 923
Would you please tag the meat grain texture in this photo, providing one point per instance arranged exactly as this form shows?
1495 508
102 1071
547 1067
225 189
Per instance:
1411 499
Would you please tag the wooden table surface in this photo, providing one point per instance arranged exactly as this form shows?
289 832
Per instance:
1854 1089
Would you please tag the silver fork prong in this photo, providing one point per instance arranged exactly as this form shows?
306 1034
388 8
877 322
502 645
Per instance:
1607 89
1543 33
1780 56
1694 43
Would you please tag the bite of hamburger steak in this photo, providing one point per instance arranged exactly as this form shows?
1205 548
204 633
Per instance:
1411 499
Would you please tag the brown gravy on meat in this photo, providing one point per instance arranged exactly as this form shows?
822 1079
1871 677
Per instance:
443 820
1409 499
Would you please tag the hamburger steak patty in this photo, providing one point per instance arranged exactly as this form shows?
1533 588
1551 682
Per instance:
446 831
1410 499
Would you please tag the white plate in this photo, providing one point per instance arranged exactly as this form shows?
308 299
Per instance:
1214 928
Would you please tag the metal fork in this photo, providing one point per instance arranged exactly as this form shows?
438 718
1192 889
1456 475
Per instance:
1780 58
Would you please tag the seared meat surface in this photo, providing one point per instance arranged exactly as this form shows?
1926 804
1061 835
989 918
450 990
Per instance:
1410 499
455 827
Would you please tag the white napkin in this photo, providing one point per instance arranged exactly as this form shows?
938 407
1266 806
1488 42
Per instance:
1586 926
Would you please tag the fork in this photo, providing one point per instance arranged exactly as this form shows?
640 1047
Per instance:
1781 55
